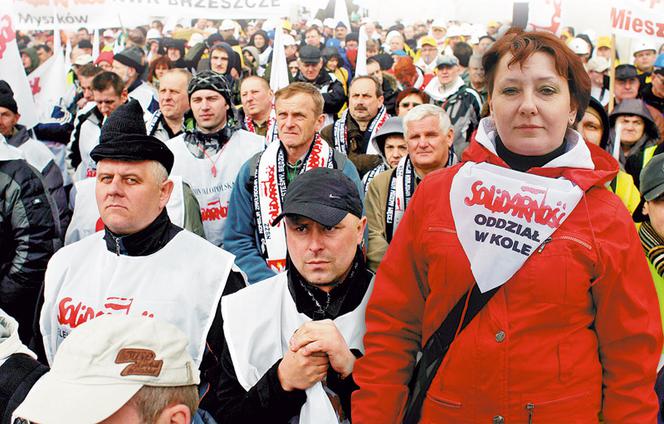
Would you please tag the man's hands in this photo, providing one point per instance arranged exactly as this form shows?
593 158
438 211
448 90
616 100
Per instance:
314 347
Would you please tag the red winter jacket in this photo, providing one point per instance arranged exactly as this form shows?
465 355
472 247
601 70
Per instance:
574 332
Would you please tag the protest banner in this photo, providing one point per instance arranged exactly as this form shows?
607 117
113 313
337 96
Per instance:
638 19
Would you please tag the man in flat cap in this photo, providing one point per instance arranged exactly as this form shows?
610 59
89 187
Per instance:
141 264
209 156
291 341
311 70
130 64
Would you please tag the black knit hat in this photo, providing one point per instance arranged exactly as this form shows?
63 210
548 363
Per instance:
7 97
132 57
209 80
123 137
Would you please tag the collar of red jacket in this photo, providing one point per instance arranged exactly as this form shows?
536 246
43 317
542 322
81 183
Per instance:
585 164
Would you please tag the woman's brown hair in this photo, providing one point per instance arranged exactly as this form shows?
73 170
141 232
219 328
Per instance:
521 45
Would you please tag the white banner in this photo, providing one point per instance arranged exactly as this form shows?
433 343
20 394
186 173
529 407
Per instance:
74 14
638 19
11 70
502 216
65 14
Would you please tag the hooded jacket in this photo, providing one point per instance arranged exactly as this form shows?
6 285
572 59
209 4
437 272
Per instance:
634 162
570 335
623 185
40 156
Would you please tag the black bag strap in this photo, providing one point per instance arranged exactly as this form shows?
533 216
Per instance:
437 346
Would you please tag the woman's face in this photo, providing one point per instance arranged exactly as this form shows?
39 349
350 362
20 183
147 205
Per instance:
160 70
530 105
259 41
332 63
248 57
590 128
407 103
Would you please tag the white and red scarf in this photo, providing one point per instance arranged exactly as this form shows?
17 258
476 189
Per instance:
270 189
271 132
341 131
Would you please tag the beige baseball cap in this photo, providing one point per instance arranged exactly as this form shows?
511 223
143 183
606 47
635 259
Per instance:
103 363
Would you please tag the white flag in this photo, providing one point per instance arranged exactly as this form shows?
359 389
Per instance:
341 13
361 63
279 70
11 70
95 45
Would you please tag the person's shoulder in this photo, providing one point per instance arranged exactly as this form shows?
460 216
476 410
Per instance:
255 139
265 290
186 240
327 133
382 180
75 253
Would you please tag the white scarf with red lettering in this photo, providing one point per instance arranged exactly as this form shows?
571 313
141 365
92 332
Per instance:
341 131
269 192
502 216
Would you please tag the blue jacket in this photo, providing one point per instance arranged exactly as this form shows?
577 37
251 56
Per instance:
240 233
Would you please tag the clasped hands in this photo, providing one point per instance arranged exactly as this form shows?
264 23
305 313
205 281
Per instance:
313 348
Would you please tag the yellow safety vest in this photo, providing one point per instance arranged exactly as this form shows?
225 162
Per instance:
648 153
626 190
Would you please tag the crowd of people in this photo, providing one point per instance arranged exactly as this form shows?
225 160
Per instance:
468 227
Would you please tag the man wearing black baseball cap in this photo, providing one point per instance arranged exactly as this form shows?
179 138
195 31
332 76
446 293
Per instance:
312 71
291 340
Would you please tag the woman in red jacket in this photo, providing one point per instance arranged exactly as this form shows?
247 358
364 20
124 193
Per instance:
573 329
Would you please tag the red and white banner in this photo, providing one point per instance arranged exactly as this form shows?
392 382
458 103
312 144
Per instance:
502 216
544 15
11 70
638 19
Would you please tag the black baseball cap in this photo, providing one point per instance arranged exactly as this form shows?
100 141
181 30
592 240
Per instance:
626 71
322 194
310 54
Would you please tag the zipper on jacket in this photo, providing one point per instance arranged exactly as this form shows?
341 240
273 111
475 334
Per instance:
578 241
437 228
543 245
530 407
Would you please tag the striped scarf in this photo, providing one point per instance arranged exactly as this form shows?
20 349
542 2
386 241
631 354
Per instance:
653 245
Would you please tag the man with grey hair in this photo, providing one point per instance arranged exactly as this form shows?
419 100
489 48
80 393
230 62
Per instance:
429 135
141 263
168 121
